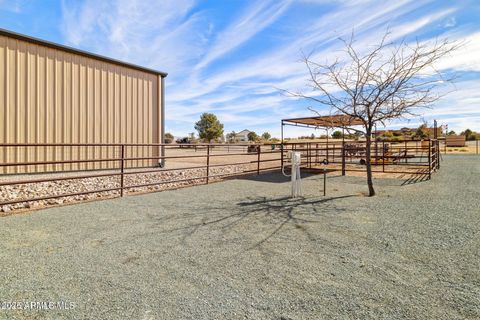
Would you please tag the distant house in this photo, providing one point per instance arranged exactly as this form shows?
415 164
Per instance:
242 136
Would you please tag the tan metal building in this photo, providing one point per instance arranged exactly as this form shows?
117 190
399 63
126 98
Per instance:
51 93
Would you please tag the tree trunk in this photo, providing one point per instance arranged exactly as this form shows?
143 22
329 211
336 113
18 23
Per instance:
368 163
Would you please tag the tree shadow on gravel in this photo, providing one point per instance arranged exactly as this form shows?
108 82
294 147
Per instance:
285 211
272 214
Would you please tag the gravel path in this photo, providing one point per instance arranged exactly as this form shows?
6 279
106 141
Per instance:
240 249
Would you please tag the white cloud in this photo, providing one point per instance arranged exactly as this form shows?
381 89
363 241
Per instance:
256 18
189 45
450 23
139 31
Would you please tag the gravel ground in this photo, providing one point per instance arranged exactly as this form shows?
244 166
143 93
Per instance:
240 249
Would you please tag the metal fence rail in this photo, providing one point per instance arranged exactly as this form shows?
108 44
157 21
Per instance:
253 159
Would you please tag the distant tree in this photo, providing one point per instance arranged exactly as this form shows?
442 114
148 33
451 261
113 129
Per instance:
168 137
337 134
358 135
191 135
422 132
451 133
469 134
231 137
208 127
387 134
266 136
252 136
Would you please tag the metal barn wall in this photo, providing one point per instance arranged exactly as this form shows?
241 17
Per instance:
49 95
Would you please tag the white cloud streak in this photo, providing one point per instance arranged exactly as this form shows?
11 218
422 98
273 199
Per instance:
178 37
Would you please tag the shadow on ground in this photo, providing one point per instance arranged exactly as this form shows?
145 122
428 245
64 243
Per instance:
270 214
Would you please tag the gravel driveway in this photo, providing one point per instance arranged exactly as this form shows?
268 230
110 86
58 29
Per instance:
240 249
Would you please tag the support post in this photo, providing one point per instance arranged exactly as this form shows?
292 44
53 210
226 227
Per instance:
281 148
258 159
343 157
406 151
324 182
327 143
208 162
309 155
429 160
477 145
383 156
438 155
122 169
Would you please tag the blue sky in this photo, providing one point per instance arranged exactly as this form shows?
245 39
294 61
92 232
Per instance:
230 57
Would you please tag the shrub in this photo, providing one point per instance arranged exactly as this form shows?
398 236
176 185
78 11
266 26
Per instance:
168 138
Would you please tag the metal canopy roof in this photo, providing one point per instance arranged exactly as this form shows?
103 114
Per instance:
335 121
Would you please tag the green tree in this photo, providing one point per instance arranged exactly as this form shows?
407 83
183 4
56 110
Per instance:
231 137
168 138
266 136
452 133
337 134
209 127
387 134
252 136
469 134
422 132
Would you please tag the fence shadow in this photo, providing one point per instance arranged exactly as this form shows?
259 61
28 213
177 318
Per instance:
415 179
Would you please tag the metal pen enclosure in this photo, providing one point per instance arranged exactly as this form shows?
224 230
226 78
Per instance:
53 94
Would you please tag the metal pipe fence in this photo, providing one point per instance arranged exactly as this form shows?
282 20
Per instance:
470 147
208 159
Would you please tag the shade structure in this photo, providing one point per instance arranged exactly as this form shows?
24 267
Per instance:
333 121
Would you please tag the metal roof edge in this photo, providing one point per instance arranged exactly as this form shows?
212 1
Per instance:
57 46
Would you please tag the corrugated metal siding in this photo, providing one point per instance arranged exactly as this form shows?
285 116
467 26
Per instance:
51 96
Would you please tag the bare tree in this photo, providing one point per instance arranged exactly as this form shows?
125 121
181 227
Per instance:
387 82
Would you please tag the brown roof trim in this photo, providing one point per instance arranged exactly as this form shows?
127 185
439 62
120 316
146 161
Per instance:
327 121
87 54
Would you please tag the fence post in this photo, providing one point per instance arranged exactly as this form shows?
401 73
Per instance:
406 150
281 156
324 182
310 155
122 169
429 160
383 156
438 154
327 148
477 145
258 159
208 161
343 158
